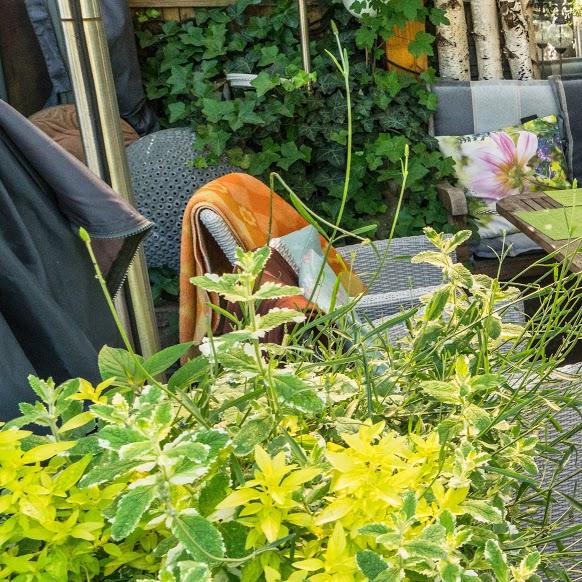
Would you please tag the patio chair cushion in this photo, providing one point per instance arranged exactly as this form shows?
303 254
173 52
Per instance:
302 251
466 108
479 106
493 165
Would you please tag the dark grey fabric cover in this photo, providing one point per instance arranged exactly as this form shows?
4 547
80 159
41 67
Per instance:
568 92
53 316
133 107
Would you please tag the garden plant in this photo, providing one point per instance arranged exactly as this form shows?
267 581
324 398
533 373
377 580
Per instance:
278 125
338 456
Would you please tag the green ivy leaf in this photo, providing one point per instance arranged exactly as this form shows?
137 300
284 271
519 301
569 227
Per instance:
290 154
177 111
129 511
365 37
422 44
269 55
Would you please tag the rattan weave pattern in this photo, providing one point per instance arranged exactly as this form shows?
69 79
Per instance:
163 182
397 272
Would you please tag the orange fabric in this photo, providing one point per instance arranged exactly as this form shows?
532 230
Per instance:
251 209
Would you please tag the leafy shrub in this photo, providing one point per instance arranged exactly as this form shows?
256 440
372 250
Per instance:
259 463
281 126
339 456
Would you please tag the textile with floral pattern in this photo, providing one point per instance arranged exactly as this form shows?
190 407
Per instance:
491 166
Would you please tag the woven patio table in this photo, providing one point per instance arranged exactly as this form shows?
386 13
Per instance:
551 219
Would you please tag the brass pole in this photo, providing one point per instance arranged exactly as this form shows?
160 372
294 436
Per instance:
304 33
98 113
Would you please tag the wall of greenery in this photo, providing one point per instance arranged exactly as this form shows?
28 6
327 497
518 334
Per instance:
280 126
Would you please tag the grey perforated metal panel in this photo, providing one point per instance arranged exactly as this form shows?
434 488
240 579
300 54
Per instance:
163 181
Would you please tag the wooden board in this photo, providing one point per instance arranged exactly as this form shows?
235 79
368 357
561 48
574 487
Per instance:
399 58
162 4
179 10
563 250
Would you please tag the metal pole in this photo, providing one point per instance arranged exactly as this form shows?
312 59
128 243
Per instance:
304 32
98 113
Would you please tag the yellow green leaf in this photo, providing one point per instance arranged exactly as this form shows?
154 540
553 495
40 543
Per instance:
69 477
236 498
44 452
7 437
77 421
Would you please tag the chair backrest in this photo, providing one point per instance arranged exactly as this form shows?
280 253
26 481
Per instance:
479 106
163 181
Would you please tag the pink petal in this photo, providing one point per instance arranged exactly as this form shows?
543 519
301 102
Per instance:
506 146
527 147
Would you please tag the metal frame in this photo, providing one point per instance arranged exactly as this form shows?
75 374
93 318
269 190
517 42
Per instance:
98 112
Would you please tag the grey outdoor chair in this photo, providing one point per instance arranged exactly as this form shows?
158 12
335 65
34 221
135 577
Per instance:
480 106
164 179
394 282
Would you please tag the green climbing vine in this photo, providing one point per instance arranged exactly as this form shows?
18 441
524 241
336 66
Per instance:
279 125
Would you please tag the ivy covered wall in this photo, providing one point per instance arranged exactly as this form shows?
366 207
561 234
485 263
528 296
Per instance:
281 126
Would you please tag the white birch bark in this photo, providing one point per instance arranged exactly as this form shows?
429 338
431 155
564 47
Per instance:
516 39
528 11
487 38
452 42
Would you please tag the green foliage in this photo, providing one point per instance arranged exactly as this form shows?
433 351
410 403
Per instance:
164 284
338 455
280 126
281 474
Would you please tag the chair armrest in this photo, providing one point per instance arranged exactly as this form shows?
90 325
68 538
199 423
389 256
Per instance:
455 203
378 305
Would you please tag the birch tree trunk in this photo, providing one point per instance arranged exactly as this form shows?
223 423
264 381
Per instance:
452 42
516 39
487 38
528 12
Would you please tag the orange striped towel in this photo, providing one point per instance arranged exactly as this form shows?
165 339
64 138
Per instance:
250 209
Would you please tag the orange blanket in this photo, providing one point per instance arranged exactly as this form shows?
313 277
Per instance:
250 209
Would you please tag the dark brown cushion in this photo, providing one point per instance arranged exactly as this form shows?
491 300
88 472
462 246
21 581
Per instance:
60 123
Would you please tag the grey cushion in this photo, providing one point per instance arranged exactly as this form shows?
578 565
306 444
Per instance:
220 232
164 180
467 108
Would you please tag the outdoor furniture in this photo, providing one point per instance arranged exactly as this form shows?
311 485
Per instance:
394 282
564 250
163 180
469 108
